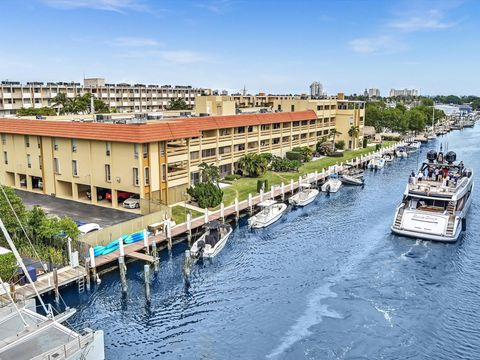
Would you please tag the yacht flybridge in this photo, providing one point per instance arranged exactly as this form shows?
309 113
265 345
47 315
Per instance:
436 200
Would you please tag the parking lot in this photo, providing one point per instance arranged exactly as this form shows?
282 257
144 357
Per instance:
86 213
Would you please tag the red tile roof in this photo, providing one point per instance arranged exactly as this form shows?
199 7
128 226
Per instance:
144 133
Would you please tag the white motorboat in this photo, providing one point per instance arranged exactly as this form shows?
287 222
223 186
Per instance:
376 163
304 196
388 156
434 207
401 152
413 146
332 185
351 180
270 212
212 241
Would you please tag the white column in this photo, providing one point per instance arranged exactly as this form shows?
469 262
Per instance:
92 257
222 211
145 238
206 215
120 247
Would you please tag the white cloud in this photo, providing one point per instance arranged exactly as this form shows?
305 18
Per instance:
216 6
107 5
132 41
432 20
379 44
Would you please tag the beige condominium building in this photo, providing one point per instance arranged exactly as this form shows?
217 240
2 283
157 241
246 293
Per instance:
121 97
333 112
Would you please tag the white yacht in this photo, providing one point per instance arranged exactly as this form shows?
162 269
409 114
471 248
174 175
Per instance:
376 163
413 146
270 212
401 151
304 196
434 207
332 185
212 241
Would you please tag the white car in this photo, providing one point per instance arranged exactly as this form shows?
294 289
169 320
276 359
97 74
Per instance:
88 228
133 202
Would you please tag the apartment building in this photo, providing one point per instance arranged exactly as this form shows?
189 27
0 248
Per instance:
158 160
403 92
334 112
121 97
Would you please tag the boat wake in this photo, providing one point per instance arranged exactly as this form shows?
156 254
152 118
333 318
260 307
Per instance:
313 315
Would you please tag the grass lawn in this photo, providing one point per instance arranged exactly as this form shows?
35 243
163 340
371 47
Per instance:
179 214
242 187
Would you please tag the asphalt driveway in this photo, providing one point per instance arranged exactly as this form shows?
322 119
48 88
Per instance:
86 213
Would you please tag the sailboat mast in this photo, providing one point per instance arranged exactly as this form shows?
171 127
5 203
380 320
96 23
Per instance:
20 262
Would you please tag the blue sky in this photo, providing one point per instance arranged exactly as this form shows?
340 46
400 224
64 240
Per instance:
276 46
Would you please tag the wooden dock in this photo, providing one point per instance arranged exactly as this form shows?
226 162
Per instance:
141 249
46 283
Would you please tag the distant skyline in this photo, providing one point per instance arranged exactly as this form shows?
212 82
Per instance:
268 46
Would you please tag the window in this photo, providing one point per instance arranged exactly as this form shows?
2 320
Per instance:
147 176
55 144
74 168
319 107
29 161
27 141
209 152
5 158
240 130
56 166
250 129
276 141
108 146
265 127
296 123
136 180
195 178
164 172
279 107
292 108
304 122
40 162
194 155
224 132
135 151
39 142
276 126
74 145
225 150
108 177
4 139
145 151
162 148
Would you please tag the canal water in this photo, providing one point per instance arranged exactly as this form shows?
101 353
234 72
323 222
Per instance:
326 282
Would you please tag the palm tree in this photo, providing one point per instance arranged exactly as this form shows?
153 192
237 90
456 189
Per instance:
254 165
334 132
209 173
353 132
61 102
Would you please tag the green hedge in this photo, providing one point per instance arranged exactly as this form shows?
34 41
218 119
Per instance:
293 155
262 184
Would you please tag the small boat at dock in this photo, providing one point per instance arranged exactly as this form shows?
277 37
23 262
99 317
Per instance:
270 212
332 185
376 163
212 241
304 196
351 176
401 151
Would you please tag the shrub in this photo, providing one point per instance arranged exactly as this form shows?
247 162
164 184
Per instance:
391 137
262 184
365 142
8 266
206 194
293 155
266 156
254 165
232 177
305 151
280 164
324 148
340 145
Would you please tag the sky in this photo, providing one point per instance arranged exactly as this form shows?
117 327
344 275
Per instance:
273 46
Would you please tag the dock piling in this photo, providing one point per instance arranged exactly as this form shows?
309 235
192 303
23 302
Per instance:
92 263
261 195
282 189
156 260
55 285
291 186
87 273
120 247
250 204
237 210
272 192
189 227
145 242
123 273
206 216
168 233
146 270
222 211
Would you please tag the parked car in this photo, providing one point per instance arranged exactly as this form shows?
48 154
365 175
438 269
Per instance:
121 195
101 194
88 228
133 202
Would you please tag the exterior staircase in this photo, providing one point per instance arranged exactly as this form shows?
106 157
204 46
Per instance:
398 219
451 207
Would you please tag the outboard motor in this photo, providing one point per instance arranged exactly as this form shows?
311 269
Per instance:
201 248
431 156
450 157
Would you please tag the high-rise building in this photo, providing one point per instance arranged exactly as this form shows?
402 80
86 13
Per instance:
373 92
403 92
316 89
121 97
